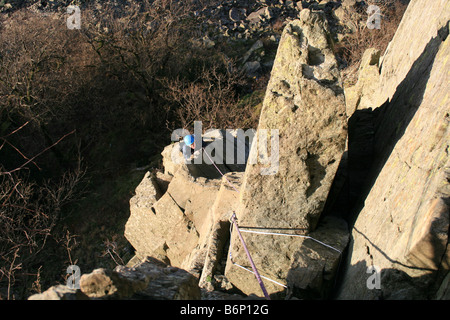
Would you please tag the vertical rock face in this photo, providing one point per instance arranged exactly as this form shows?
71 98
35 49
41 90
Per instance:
402 220
304 107
164 228
305 102
358 97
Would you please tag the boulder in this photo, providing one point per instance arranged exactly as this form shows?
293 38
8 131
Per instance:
256 46
304 101
348 3
236 14
147 192
304 108
252 68
59 292
260 14
348 18
313 269
360 95
149 279
98 284
172 227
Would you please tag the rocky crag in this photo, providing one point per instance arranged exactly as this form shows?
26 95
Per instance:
305 103
399 163
363 169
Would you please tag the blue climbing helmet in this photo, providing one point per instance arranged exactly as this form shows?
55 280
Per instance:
189 139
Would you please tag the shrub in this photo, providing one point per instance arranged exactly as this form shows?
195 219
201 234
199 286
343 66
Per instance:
91 98
351 48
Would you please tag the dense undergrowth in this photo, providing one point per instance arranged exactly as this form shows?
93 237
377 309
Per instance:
80 110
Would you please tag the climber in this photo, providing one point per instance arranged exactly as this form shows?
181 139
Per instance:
188 147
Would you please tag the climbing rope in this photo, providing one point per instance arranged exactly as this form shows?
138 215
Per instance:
233 220
292 235
277 234
258 277
220 171
246 269
238 230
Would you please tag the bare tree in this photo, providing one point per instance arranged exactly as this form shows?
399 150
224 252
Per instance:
28 213
212 98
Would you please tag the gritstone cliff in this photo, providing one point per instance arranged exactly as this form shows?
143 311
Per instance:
399 163
304 101
364 169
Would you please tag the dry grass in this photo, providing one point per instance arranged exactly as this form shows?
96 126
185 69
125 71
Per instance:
113 90
212 98
351 48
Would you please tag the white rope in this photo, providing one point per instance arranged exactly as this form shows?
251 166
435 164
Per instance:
278 283
264 233
232 185
275 234
290 235
244 268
